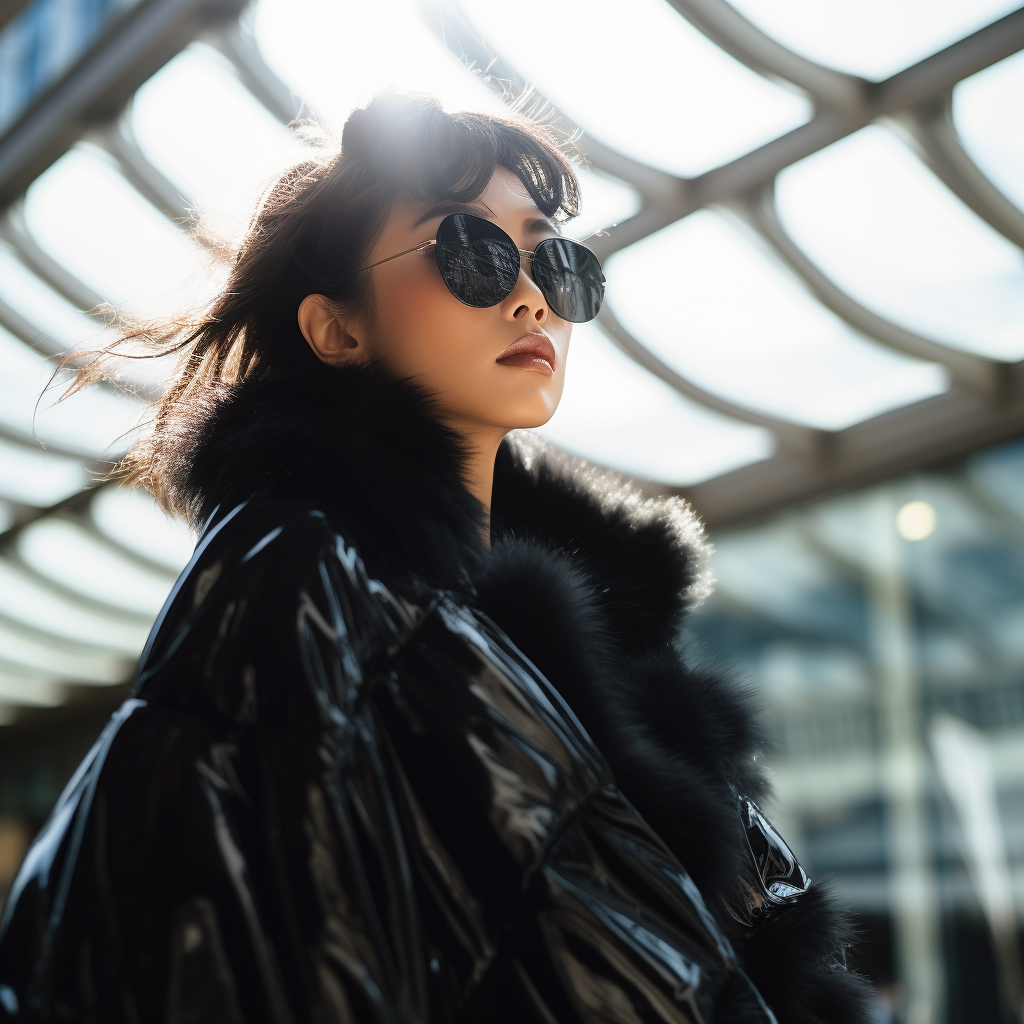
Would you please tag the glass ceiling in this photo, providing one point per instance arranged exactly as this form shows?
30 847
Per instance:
988 111
714 304
876 220
64 326
873 38
198 124
117 243
84 569
688 105
91 423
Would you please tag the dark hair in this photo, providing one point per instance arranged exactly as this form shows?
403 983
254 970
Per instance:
311 233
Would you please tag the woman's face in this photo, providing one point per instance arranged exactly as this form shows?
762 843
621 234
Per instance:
493 369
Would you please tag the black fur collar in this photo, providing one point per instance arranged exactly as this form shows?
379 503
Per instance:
371 447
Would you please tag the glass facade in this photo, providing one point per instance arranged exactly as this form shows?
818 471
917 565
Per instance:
874 623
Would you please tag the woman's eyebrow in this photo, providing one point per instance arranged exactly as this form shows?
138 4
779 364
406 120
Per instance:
540 226
443 209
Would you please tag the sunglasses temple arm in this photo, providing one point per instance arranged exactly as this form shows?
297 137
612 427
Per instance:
404 252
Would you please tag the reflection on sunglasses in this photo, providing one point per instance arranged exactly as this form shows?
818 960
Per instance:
480 264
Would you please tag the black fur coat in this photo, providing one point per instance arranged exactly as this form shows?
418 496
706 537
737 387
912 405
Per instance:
339 793
590 580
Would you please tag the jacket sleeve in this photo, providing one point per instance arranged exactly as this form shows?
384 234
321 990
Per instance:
793 933
790 933
232 849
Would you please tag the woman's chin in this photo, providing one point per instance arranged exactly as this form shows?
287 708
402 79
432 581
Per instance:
536 408
533 418
524 410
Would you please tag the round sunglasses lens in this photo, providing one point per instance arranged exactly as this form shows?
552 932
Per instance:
570 277
478 261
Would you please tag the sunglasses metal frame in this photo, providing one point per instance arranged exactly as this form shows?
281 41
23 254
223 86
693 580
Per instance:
433 241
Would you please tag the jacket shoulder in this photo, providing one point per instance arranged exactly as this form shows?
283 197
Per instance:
274 593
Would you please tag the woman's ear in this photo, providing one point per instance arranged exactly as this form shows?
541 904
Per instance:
335 340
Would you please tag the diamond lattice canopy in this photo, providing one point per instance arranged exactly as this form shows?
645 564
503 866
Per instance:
799 262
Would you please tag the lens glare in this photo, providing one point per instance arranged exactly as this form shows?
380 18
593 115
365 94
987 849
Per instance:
570 277
478 261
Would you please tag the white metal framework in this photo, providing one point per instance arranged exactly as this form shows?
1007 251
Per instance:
984 403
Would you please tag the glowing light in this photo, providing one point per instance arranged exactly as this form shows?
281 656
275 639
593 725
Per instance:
916 520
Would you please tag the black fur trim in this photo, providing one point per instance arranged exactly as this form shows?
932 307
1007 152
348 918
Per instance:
646 557
796 961
357 439
589 579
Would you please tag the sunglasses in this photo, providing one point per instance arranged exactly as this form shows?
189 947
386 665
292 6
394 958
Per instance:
480 264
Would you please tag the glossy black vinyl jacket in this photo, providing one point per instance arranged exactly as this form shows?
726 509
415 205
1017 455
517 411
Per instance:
328 803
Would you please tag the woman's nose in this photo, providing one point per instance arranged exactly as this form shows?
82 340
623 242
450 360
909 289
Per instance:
527 301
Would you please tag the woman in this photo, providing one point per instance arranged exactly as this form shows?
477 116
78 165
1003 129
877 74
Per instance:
413 738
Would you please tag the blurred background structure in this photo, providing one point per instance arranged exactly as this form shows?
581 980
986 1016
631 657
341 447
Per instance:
812 216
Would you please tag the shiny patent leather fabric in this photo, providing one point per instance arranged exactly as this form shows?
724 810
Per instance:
772 878
326 803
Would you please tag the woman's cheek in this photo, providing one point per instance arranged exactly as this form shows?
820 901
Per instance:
405 315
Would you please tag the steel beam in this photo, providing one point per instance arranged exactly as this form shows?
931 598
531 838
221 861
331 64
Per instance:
932 133
735 34
28 440
88 602
101 83
255 74
118 140
793 438
31 514
924 433
10 9
34 337
923 83
987 376
39 261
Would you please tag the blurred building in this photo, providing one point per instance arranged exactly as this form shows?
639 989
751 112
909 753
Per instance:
811 220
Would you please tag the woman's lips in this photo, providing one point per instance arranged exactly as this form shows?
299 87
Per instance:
531 352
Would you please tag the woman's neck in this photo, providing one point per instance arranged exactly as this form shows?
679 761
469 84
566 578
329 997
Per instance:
482 443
